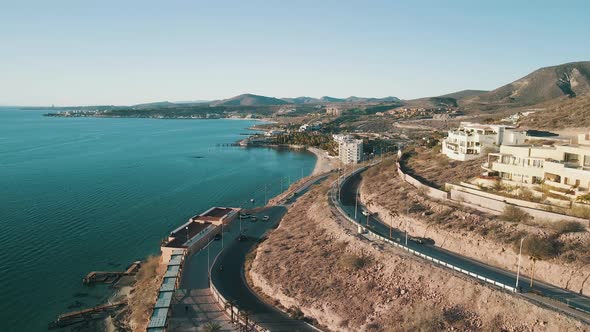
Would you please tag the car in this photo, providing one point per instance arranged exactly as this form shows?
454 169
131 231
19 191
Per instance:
365 213
265 218
418 240
242 237
217 237
253 218
245 215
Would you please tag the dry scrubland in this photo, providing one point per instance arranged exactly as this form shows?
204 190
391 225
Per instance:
143 296
435 169
563 248
315 267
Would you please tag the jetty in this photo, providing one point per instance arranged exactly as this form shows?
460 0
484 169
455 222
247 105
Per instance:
110 277
80 316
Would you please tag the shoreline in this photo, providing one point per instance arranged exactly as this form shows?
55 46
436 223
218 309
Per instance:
324 162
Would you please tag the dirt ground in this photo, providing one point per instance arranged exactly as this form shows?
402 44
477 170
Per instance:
435 169
143 296
475 234
317 267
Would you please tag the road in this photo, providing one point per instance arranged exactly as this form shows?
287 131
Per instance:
194 286
554 297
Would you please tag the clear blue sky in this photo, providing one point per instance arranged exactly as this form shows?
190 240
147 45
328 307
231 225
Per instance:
124 52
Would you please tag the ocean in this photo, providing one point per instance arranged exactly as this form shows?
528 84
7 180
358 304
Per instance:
84 194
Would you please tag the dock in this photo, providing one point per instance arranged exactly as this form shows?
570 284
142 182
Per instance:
79 316
110 277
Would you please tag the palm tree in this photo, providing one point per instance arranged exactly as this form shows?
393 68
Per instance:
212 327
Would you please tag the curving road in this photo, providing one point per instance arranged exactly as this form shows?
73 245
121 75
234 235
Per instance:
227 273
563 300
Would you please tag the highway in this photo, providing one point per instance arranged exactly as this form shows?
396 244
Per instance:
553 297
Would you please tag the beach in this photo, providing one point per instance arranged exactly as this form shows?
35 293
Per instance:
324 162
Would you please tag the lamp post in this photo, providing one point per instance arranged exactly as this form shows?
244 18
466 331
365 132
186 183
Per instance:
356 202
186 234
519 259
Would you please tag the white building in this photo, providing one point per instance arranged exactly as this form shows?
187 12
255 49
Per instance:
350 150
274 132
310 127
470 140
560 165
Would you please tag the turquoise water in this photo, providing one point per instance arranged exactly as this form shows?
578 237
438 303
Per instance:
82 194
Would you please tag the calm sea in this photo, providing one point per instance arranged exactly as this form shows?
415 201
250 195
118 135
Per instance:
83 194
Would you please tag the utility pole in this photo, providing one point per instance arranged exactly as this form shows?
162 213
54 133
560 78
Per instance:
534 259
187 234
390 227
356 203
519 258
265 194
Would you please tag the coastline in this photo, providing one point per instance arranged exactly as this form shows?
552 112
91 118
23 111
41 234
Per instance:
324 162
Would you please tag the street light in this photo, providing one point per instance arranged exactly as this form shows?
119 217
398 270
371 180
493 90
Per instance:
186 234
356 203
519 259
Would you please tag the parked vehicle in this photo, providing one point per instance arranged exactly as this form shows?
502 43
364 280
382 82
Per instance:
365 213
217 237
265 218
253 218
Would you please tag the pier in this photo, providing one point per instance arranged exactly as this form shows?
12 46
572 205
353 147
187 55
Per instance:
109 277
80 316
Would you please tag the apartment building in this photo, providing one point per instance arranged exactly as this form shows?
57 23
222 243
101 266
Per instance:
562 165
470 140
350 150
333 110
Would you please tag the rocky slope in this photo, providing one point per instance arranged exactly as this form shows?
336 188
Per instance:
315 266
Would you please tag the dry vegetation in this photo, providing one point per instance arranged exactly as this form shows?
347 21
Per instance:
143 296
320 270
434 168
561 113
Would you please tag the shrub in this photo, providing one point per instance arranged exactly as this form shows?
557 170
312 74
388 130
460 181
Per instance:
513 214
540 247
295 312
212 327
354 262
567 226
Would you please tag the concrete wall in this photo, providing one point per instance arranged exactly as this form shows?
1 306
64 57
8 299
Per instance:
473 197
430 191
485 201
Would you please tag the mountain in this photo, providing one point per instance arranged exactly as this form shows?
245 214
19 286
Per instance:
464 94
328 99
560 113
159 104
249 100
302 100
569 80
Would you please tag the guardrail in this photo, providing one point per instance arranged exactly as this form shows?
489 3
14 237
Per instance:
336 202
231 310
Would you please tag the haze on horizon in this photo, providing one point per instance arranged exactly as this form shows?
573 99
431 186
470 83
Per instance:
112 52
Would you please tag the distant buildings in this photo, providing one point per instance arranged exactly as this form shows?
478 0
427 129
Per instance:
333 110
310 127
561 165
350 150
470 140
274 132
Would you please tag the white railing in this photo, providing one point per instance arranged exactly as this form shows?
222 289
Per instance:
336 202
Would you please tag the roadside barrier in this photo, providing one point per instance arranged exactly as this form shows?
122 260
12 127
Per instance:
232 310
336 202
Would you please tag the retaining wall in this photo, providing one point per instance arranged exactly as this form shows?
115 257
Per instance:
484 201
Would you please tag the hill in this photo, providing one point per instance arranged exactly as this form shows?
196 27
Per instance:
545 84
561 113
249 100
464 94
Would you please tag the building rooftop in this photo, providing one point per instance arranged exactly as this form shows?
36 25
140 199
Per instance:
158 319
216 212
172 271
181 235
164 299
168 285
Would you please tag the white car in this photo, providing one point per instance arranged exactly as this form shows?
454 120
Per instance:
265 218
365 213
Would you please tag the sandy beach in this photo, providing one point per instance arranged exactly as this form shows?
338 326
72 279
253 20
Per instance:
324 163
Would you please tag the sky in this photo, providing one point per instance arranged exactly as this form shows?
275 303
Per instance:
127 52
